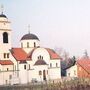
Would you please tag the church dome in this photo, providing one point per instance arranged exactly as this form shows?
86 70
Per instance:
29 36
2 15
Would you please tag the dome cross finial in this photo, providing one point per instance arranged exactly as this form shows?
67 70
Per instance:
2 8
29 28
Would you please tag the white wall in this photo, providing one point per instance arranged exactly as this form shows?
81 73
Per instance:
31 45
72 71
55 71
38 68
5 75
43 52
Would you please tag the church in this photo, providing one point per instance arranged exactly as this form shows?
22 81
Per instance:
27 63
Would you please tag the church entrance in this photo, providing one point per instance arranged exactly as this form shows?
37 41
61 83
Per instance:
44 75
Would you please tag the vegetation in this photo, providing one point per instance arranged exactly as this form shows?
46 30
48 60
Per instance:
74 84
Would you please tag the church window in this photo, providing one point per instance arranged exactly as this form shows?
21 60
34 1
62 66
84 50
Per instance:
7 69
5 37
40 57
27 44
34 44
7 55
10 76
56 65
40 72
50 64
25 67
4 55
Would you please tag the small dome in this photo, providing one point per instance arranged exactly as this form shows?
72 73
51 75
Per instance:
2 15
29 36
40 62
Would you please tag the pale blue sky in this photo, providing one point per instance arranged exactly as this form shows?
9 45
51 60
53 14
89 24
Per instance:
57 23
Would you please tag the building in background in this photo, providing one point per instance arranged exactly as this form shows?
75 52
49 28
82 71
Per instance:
27 63
81 69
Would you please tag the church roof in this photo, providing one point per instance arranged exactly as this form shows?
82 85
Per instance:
19 54
29 36
6 62
53 54
2 15
40 62
84 63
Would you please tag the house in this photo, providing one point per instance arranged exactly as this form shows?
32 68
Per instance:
80 69
28 62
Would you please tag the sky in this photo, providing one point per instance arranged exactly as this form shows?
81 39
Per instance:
57 23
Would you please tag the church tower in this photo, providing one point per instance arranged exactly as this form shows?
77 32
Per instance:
5 37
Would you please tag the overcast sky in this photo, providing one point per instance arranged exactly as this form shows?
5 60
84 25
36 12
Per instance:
57 23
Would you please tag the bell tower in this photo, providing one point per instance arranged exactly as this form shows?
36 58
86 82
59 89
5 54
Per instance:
5 36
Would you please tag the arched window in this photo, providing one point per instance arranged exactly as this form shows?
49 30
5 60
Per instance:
7 55
34 44
40 72
5 37
25 67
40 57
27 44
56 64
50 64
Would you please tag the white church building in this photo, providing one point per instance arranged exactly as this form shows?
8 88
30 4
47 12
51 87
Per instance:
28 62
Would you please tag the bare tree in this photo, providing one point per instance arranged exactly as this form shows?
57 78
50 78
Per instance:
62 53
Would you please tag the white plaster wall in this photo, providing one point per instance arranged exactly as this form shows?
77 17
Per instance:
71 71
4 67
5 25
38 68
13 60
55 71
3 19
23 74
5 75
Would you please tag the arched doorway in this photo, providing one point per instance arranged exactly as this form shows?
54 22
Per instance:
44 75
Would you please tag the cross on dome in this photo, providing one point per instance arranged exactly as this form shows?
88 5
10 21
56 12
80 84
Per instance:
1 9
29 28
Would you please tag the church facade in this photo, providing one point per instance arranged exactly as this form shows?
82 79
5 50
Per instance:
27 63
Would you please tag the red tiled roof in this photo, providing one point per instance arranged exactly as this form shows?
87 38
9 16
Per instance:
29 56
53 54
84 63
19 54
6 62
